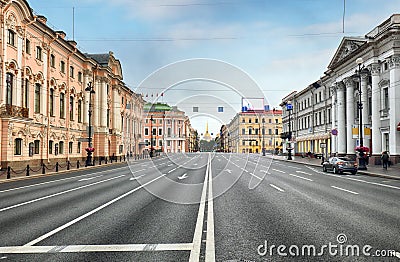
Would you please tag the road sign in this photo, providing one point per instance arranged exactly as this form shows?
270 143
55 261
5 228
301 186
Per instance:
322 145
83 139
289 107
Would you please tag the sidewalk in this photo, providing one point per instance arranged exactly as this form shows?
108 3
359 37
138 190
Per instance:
392 172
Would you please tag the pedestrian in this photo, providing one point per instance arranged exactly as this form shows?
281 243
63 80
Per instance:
385 159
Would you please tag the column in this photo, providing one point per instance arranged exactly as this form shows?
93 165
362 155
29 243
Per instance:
334 147
103 103
116 110
349 114
85 109
376 105
17 86
364 101
341 119
96 104
394 105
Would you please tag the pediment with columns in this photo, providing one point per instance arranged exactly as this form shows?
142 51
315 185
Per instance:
348 46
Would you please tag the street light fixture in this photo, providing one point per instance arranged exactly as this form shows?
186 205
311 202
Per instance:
361 159
289 108
90 148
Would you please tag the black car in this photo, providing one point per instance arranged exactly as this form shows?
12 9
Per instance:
339 165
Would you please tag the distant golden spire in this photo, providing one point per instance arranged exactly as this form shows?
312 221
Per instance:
207 136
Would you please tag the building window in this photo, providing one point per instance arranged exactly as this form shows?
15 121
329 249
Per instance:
256 120
243 131
70 146
386 98
154 131
51 102
80 77
37 147
71 72
62 105
243 120
37 98
121 149
51 143
52 61
9 82
18 146
71 108
80 112
11 37
249 120
61 147
27 46
160 131
250 130
39 53
160 143
169 131
62 67
79 147
31 147
146 131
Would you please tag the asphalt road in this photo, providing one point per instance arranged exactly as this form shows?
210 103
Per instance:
201 207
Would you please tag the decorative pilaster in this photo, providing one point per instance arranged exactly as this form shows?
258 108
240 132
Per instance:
375 118
349 114
341 119
334 148
394 105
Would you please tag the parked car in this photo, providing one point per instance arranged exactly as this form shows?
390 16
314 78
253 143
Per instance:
339 165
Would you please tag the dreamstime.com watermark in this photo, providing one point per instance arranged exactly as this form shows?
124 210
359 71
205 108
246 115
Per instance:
340 248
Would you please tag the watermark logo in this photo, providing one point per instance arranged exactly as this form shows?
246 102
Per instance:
338 248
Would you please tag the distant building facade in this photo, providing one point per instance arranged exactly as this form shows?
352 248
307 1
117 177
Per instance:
43 103
253 130
166 129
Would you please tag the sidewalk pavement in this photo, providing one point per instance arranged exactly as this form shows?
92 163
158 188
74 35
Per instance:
393 172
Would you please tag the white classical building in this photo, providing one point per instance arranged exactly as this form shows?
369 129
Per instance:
377 75
330 106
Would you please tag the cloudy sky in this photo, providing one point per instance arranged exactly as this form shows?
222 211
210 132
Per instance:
282 45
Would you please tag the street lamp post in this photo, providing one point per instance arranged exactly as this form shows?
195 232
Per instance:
90 148
151 136
289 108
361 159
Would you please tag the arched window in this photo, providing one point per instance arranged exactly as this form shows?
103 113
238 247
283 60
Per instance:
9 82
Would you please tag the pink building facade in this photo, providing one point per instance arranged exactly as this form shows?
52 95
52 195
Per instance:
43 102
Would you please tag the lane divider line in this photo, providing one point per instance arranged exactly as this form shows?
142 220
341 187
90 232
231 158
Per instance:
277 188
210 244
301 177
37 240
57 194
345 190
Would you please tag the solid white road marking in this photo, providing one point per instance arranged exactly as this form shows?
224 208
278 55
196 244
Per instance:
302 172
277 170
345 190
57 194
210 244
58 180
136 178
301 177
89 178
95 248
373 183
37 240
195 252
277 188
